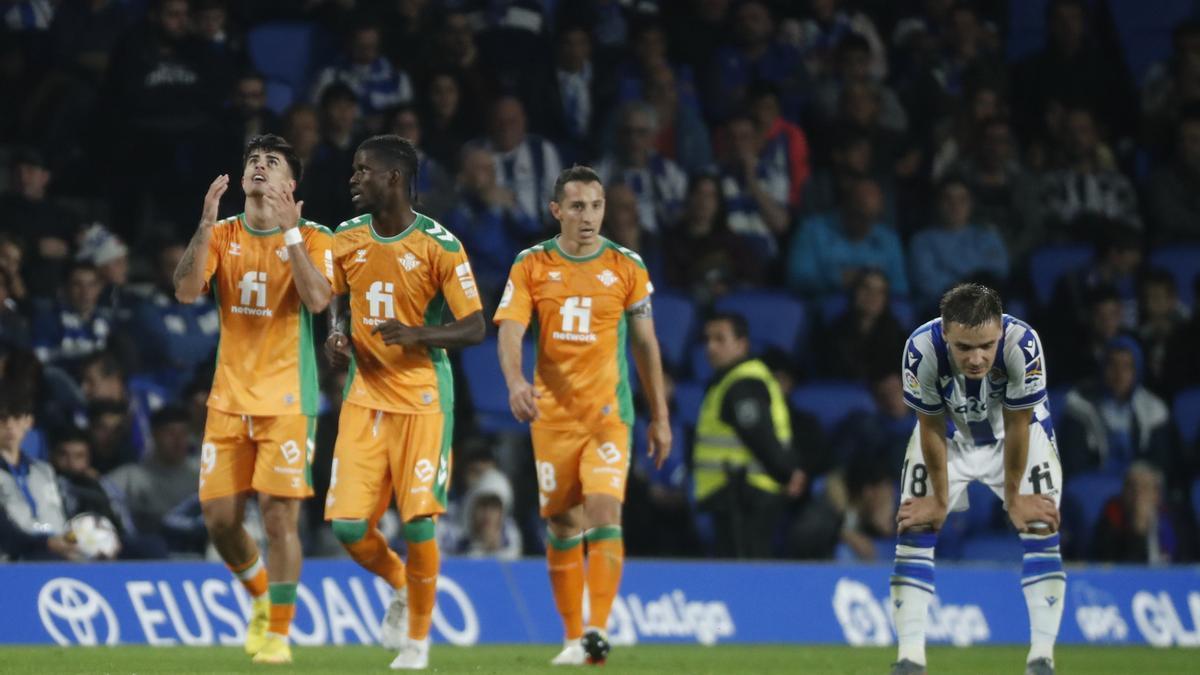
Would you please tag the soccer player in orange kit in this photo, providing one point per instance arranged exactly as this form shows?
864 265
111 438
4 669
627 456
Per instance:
398 271
269 271
586 295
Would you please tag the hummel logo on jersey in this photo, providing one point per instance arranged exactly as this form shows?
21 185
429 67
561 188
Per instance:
235 248
409 262
282 253
1051 599
380 304
555 276
577 321
607 278
360 255
254 295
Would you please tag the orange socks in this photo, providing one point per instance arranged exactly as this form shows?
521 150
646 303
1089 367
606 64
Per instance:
605 558
422 574
283 608
253 576
564 557
372 553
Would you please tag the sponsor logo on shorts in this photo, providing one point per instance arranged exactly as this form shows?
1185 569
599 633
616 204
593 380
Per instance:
424 471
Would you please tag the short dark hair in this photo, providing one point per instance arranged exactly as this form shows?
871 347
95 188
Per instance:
279 144
80 265
171 414
338 91
395 151
16 399
68 434
107 363
1158 276
971 305
578 173
741 328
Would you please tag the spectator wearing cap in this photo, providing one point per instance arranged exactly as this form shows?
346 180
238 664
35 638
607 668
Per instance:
486 528
27 210
110 255
1112 421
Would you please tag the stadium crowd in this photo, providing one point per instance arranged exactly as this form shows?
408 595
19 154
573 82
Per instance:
828 168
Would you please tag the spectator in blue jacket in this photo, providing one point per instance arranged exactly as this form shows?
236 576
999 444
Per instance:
489 221
173 338
832 248
955 250
76 326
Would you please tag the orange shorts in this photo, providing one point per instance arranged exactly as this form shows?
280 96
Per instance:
269 454
572 463
380 452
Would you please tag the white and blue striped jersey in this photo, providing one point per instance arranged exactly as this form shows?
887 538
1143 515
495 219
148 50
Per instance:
974 408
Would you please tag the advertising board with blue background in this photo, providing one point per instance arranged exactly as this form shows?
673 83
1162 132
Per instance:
484 601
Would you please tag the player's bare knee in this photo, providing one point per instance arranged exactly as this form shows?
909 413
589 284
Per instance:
221 518
280 516
602 510
567 524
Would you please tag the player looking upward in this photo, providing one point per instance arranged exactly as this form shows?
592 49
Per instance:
586 295
269 271
395 272
977 379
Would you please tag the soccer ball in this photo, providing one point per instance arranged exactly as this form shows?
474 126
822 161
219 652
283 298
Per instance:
94 535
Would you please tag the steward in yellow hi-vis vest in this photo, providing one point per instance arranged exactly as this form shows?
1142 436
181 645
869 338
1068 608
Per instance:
743 466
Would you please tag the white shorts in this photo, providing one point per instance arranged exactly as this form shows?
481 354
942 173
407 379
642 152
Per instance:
984 463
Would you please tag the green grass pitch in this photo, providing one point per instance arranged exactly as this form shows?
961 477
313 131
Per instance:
691 659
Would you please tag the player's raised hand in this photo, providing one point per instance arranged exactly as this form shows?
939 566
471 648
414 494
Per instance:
658 446
212 200
396 333
920 512
522 400
1026 510
337 350
286 207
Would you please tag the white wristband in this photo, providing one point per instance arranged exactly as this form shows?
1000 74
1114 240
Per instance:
293 236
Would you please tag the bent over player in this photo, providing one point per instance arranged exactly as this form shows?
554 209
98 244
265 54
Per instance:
398 270
269 271
977 379
587 295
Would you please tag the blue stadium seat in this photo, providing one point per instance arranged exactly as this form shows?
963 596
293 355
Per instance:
485 382
1183 262
1057 399
1084 496
980 515
1050 263
830 402
1187 416
1016 307
701 371
1144 29
776 319
286 51
34 445
673 318
688 396
280 95
1196 497
1026 28
1005 548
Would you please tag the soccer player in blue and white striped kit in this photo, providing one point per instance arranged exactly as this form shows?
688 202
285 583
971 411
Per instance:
977 379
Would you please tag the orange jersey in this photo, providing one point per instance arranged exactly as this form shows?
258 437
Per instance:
410 277
265 360
578 306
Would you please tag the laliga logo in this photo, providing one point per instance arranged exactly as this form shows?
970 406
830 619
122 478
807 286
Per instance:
864 620
71 602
